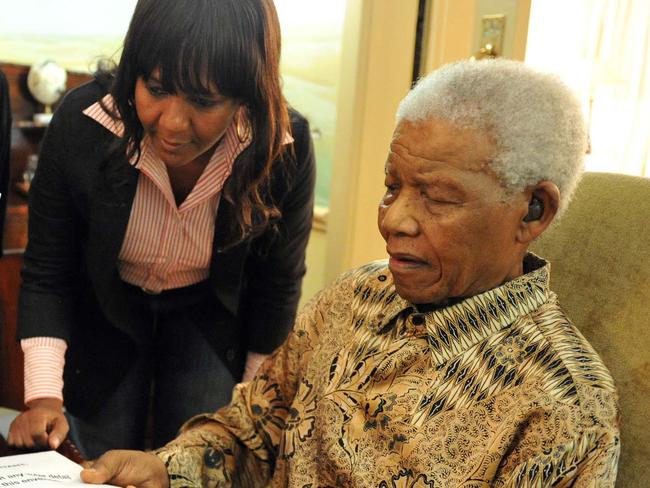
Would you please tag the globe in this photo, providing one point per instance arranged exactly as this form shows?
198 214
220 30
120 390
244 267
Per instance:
46 81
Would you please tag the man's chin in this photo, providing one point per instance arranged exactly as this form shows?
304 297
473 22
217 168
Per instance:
421 295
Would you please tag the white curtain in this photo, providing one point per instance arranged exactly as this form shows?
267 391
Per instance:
602 49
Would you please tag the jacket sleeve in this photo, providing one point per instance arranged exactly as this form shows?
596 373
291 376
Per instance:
52 258
276 263
239 444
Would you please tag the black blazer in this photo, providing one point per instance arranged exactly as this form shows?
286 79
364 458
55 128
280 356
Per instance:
79 206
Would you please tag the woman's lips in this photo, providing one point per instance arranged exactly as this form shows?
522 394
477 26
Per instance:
170 146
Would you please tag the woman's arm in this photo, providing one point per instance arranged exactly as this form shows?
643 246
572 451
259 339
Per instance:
51 266
52 258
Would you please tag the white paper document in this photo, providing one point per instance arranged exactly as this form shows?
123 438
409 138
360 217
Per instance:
47 469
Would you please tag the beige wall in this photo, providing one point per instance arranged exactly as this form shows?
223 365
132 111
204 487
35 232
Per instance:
376 71
315 278
378 46
453 29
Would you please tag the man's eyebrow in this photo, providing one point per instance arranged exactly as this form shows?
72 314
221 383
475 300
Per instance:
431 180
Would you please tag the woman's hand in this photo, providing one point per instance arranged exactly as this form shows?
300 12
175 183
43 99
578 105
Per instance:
42 425
253 362
127 468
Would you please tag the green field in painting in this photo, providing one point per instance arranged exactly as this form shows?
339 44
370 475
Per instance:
72 52
310 70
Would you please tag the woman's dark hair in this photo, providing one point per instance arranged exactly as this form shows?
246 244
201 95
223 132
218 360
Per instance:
197 44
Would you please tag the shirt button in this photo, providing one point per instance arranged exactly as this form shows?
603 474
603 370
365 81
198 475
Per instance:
148 291
417 319
230 354
381 277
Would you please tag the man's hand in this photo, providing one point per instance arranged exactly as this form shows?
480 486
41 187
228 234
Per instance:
127 468
42 425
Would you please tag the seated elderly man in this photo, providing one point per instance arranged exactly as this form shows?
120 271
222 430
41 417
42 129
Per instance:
450 364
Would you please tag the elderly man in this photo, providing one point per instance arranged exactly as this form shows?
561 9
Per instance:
450 364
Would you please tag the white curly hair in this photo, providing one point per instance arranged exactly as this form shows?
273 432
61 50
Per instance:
534 118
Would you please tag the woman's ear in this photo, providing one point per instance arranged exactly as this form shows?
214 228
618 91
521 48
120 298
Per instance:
543 204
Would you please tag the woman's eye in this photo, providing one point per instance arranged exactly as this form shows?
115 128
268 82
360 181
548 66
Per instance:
156 90
203 102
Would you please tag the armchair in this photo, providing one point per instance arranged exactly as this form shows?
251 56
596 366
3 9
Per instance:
600 259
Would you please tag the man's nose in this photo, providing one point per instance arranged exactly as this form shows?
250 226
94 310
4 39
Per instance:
399 218
175 115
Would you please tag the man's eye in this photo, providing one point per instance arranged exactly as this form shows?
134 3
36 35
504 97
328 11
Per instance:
391 192
437 199
391 188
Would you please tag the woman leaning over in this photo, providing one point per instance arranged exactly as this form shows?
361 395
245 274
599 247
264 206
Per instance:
168 222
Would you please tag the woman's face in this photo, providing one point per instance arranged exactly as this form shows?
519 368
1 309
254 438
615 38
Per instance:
183 127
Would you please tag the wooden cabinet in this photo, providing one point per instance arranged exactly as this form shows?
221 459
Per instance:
11 357
25 141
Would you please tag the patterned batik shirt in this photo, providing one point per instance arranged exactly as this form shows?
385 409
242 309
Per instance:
496 390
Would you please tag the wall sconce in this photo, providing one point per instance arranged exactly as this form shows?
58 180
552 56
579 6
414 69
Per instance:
491 41
486 51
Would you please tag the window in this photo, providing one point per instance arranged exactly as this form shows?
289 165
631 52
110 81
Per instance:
600 48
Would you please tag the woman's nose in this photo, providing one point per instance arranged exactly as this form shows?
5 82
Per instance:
175 116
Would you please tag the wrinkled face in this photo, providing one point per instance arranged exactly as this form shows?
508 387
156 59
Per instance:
450 227
183 127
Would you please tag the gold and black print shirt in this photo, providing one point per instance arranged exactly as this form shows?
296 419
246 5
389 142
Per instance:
497 390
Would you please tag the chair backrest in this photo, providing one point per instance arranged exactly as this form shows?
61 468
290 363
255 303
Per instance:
600 261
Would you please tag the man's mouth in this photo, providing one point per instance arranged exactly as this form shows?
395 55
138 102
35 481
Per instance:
405 260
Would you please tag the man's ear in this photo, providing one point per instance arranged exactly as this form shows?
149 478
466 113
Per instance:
543 203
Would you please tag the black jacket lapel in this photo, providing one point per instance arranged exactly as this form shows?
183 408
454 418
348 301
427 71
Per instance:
227 263
110 211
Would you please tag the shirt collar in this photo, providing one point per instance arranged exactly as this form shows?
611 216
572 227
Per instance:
453 329
99 114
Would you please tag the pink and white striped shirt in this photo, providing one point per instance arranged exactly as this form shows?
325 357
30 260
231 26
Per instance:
165 246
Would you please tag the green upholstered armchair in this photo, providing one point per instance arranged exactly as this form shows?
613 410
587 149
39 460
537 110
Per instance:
600 260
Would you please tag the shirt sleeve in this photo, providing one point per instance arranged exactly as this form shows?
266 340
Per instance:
238 445
587 461
44 361
600 467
